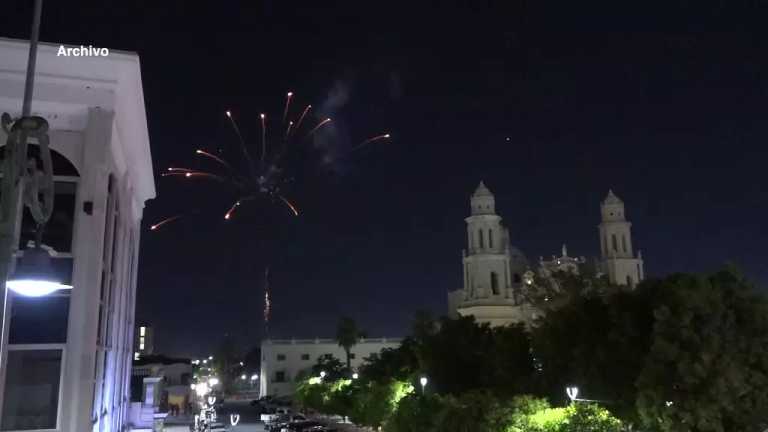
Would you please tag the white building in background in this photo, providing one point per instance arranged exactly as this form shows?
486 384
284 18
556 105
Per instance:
497 274
283 360
68 364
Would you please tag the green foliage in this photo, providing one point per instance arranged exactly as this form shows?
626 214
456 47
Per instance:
707 369
464 356
521 411
415 413
597 343
375 402
579 417
585 417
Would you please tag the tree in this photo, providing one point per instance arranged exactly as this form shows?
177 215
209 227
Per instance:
464 356
226 363
707 369
347 335
598 343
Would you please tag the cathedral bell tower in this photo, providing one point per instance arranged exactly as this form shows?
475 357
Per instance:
618 259
486 260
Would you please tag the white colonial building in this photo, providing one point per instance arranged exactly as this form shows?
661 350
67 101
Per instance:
497 276
283 360
67 366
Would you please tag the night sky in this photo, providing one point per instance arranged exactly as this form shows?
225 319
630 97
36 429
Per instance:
550 103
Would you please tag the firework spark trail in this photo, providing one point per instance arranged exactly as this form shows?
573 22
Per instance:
217 159
229 212
172 169
267 302
319 125
242 143
288 203
287 105
263 137
301 118
288 131
165 221
370 140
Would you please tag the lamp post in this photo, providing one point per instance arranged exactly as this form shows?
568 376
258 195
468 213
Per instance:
23 184
423 381
572 392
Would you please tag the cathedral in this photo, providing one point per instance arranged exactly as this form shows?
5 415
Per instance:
498 277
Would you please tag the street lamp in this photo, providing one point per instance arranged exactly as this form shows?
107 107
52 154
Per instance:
572 392
202 389
423 381
34 275
322 374
254 377
243 377
355 376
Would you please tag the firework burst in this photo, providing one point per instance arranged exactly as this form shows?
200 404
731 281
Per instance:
264 177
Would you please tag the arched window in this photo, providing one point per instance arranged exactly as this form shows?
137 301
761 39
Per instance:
480 233
490 238
614 243
624 243
494 283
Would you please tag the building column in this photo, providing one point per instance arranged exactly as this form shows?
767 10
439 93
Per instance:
86 275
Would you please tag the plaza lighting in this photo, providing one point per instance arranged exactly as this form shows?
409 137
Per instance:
423 381
254 377
210 357
573 392
213 381
243 377
322 374
34 275
355 375
205 361
202 389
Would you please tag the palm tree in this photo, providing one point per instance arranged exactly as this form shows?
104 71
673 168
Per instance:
347 335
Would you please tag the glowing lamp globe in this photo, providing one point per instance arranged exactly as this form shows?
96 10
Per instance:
34 275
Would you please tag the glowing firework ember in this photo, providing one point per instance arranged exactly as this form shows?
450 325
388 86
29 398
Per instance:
319 125
372 139
164 221
266 179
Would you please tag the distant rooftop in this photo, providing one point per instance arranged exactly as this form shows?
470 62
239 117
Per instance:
328 341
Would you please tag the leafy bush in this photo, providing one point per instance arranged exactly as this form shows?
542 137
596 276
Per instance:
578 417
415 413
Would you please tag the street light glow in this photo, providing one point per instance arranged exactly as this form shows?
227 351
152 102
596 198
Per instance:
355 375
573 392
254 377
213 381
34 288
423 382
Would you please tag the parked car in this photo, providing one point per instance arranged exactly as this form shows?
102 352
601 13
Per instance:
303 426
270 415
282 421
